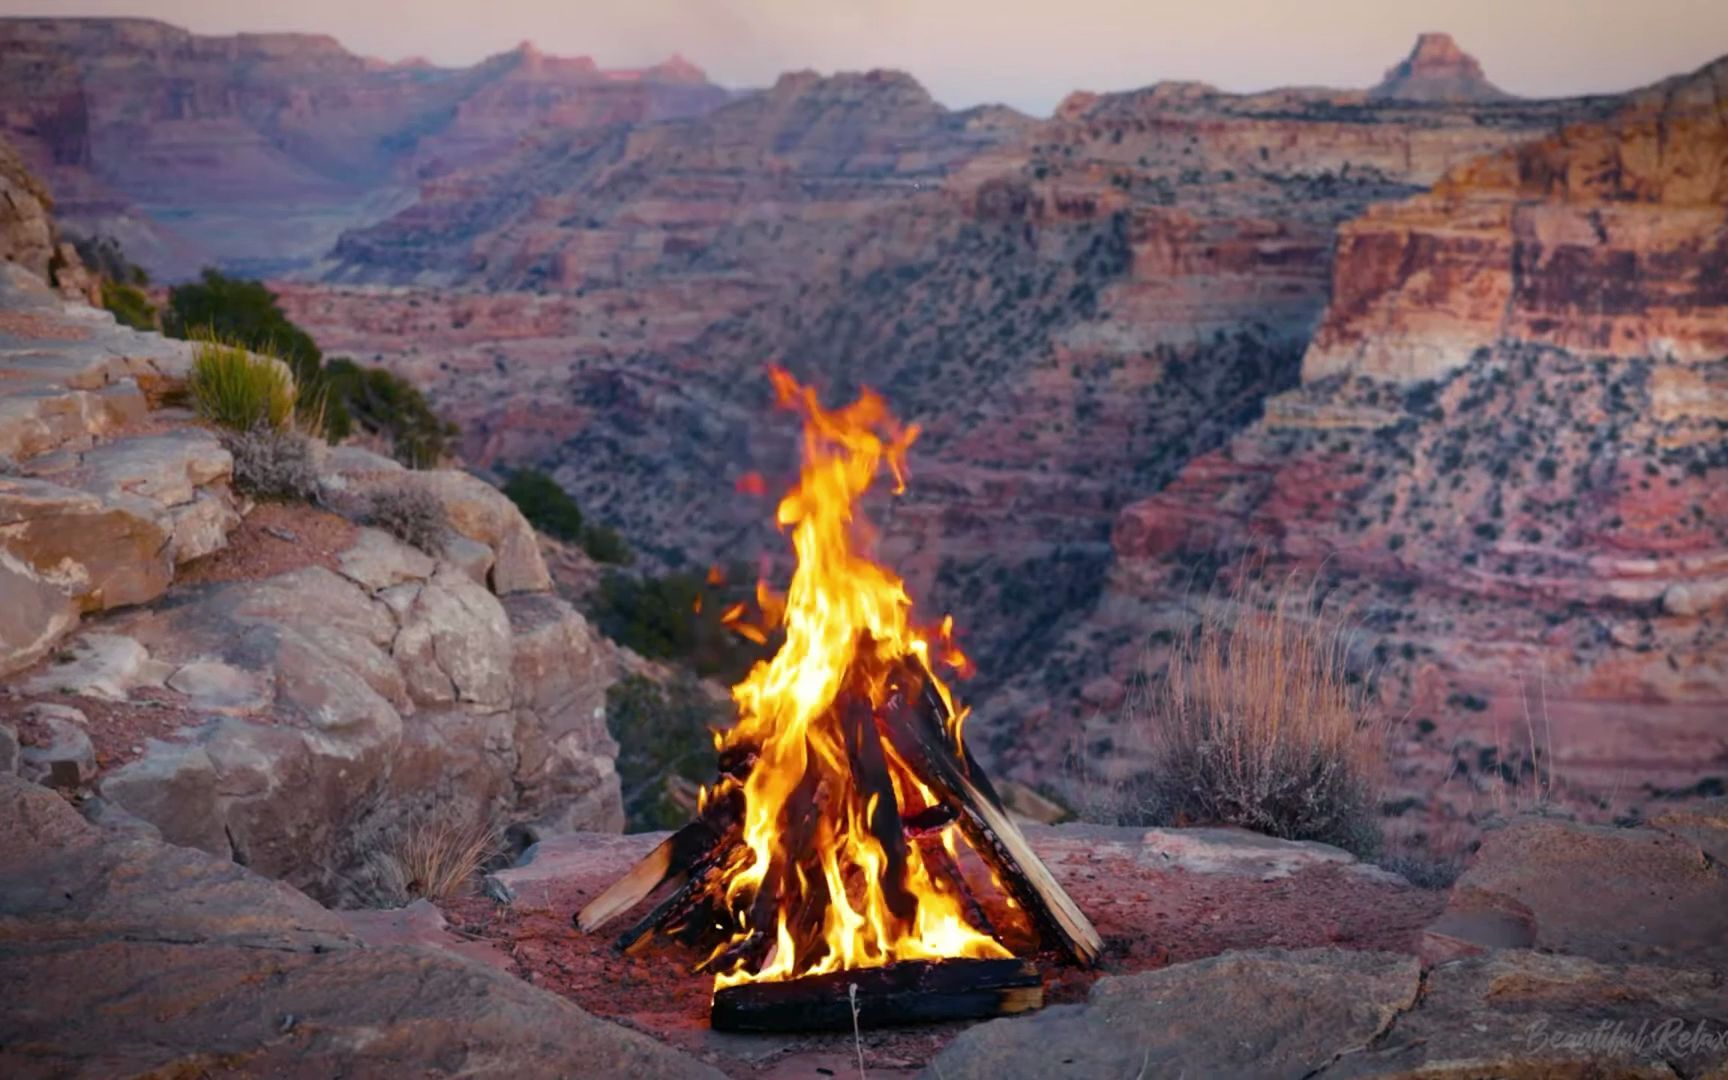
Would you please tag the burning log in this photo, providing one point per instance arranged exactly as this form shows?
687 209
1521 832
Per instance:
912 723
910 992
680 857
821 881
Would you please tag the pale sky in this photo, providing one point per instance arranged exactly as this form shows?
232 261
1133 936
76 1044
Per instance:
1027 54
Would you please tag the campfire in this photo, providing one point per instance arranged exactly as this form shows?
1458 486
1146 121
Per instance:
820 883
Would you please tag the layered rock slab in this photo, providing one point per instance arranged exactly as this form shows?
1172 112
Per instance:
1273 1013
121 955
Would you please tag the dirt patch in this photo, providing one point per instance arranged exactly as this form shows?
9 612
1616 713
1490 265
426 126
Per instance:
1149 918
273 539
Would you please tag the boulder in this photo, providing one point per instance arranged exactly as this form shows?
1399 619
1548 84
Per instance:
1269 1013
377 560
561 671
102 665
56 749
476 509
1652 896
8 750
120 955
213 686
105 553
37 613
454 642
1519 1013
173 787
343 715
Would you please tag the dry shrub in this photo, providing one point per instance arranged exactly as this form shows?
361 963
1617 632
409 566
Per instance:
412 515
271 463
435 858
1257 722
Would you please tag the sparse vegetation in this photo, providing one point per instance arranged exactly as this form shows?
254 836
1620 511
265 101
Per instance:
1257 722
385 404
547 506
271 463
679 617
410 514
604 544
238 389
129 305
663 733
334 398
243 313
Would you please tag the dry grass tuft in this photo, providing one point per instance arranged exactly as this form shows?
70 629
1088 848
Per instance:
434 858
1256 721
443 857
238 389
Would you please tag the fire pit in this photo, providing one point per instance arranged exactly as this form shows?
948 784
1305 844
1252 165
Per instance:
820 882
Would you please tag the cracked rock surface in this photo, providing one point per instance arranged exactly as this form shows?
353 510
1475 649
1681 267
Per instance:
189 965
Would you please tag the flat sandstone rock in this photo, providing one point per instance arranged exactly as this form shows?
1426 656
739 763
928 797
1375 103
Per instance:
121 956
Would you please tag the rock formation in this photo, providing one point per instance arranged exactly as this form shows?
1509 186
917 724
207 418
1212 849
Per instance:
270 685
1507 450
29 235
256 150
120 954
1437 70
1072 309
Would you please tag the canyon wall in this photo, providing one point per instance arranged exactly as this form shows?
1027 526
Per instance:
254 151
1508 456
1072 308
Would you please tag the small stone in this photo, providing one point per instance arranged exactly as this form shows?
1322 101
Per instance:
56 751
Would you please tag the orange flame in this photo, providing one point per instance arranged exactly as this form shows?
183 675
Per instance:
846 620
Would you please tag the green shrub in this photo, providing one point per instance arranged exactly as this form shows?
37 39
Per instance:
662 732
273 464
603 544
678 617
383 403
243 313
410 514
238 389
129 305
547 506
334 398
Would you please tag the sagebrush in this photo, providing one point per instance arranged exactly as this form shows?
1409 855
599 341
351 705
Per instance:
274 464
238 389
410 514
1257 721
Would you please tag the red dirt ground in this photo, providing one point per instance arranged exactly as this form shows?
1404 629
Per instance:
260 547
1149 918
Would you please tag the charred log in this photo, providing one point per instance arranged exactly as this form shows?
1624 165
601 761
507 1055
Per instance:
912 723
913 992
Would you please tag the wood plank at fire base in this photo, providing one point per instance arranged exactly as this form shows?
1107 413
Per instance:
912 992
915 729
678 856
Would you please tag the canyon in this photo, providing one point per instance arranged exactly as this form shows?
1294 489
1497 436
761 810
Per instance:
254 151
1456 356
1444 369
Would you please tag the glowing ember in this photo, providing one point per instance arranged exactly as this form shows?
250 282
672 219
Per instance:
841 897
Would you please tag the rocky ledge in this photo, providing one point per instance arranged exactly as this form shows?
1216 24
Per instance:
268 683
122 955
